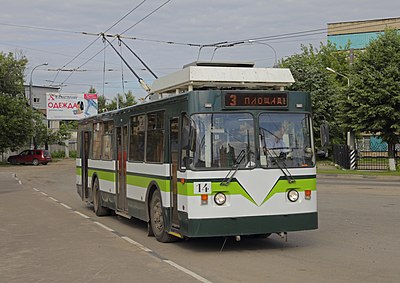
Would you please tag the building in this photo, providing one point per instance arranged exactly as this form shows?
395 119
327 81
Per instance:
359 33
39 103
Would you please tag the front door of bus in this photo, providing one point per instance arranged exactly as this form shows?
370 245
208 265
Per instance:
122 148
174 159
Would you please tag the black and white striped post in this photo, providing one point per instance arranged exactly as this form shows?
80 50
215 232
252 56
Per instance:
353 159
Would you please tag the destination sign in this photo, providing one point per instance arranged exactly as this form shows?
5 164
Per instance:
257 99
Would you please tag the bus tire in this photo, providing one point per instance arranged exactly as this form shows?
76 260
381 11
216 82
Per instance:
157 219
98 209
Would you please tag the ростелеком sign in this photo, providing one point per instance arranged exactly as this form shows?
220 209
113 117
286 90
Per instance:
71 106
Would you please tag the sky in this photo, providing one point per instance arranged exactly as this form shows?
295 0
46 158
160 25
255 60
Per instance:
165 34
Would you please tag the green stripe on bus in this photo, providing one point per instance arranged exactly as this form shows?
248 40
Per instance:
235 188
144 182
282 186
78 171
103 175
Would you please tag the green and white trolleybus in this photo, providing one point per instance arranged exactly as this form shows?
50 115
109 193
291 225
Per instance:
217 150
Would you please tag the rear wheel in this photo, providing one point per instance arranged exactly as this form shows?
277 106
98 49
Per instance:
13 161
157 219
97 207
35 162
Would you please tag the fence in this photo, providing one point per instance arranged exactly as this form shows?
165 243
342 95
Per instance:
371 154
341 155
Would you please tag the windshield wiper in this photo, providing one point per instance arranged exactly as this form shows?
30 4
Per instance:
228 178
275 158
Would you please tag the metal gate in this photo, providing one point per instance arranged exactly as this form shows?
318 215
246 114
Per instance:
372 154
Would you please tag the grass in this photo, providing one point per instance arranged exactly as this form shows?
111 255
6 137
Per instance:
327 167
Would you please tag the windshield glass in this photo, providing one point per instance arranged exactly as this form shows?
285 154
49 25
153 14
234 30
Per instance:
221 138
285 140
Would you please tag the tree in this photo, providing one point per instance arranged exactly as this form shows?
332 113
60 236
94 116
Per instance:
16 122
374 98
45 136
16 127
12 74
310 74
124 100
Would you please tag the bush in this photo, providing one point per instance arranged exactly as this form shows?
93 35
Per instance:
61 154
72 154
58 154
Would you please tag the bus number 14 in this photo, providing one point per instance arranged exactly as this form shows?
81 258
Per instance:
203 188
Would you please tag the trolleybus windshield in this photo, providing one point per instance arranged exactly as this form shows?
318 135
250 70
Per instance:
221 137
285 139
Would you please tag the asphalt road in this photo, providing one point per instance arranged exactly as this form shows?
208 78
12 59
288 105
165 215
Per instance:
48 235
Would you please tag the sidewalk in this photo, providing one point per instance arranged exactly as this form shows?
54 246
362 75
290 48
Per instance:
42 241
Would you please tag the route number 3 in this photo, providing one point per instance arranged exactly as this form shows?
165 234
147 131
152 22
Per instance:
203 188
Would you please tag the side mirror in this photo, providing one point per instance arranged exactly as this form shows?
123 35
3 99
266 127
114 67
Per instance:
324 133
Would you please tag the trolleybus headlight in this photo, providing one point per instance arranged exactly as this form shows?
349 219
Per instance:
220 198
293 195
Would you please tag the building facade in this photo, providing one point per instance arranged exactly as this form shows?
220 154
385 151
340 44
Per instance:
358 33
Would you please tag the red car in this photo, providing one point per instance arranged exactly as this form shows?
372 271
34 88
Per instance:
31 156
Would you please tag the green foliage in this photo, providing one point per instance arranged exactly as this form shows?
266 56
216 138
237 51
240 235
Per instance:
16 117
61 154
374 98
310 74
58 154
12 74
125 100
16 122
73 154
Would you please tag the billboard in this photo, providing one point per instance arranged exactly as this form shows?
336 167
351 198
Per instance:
70 106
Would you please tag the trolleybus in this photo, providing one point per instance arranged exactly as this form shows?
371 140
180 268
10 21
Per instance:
217 150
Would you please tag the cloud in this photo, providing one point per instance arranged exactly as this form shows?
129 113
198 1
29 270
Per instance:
190 21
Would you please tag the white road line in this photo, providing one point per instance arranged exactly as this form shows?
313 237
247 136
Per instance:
81 214
20 182
104 226
136 244
177 266
187 271
66 206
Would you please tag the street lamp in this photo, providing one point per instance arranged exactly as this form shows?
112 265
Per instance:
270 46
337 73
30 83
350 134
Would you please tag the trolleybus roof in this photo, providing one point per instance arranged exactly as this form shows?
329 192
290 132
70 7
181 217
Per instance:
222 75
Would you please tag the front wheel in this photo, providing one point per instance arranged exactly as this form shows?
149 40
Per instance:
97 207
35 162
157 219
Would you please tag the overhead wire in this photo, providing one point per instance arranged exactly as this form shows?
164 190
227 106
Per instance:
117 22
141 20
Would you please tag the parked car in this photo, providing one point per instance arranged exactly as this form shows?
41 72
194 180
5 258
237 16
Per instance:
31 156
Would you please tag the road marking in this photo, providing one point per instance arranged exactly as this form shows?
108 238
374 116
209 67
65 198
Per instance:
53 199
104 226
140 246
81 214
20 182
129 240
187 271
66 206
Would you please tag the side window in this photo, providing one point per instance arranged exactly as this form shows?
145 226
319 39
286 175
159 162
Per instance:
97 135
155 137
136 150
107 148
